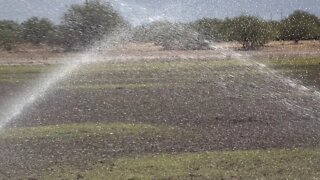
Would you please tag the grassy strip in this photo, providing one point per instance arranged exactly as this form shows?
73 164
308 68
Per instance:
123 86
109 67
262 164
294 61
12 80
25 69
159 73
174 65
83 129
23 74
163 66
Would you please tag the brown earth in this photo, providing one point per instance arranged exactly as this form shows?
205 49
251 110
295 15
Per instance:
226 107
28 54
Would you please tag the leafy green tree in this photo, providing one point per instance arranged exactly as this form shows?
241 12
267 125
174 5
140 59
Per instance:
226 29
318 30
250 31
140 34
9 34
37 30
56 36
275 29
300 25
209 28
84 24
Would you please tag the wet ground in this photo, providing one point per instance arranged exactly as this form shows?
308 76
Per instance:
202 105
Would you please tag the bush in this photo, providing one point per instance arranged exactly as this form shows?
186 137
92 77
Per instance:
84 24
300 26
37 30
209 28
250 31
9 34
275 29
172 36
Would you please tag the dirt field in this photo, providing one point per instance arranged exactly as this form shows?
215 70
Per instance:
180 102
27 54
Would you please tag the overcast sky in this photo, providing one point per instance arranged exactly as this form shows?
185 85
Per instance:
143 11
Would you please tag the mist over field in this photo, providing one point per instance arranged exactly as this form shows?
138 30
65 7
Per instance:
152 10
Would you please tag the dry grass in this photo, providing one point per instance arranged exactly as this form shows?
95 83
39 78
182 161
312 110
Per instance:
289 46
42 54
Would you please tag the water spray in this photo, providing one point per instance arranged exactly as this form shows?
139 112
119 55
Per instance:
41 88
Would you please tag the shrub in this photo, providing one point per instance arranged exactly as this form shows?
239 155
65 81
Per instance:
84 24
250 31
210 29
300 26
172 36
36 30
9 34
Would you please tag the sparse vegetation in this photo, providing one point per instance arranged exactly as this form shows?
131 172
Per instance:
262 164
83 130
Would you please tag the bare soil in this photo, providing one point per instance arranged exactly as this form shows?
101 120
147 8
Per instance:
226 107
28 54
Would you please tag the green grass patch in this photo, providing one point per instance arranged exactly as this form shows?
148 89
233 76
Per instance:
162 66
154 66
294 61
122 86
11 80
260 164
146 75
112 67
156 73
25 69
23 73
304 69
85 129
18 78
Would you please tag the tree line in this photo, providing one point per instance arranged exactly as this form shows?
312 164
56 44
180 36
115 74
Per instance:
81 26
84 24
252 32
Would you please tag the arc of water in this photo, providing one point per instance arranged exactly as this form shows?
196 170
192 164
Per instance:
40 89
